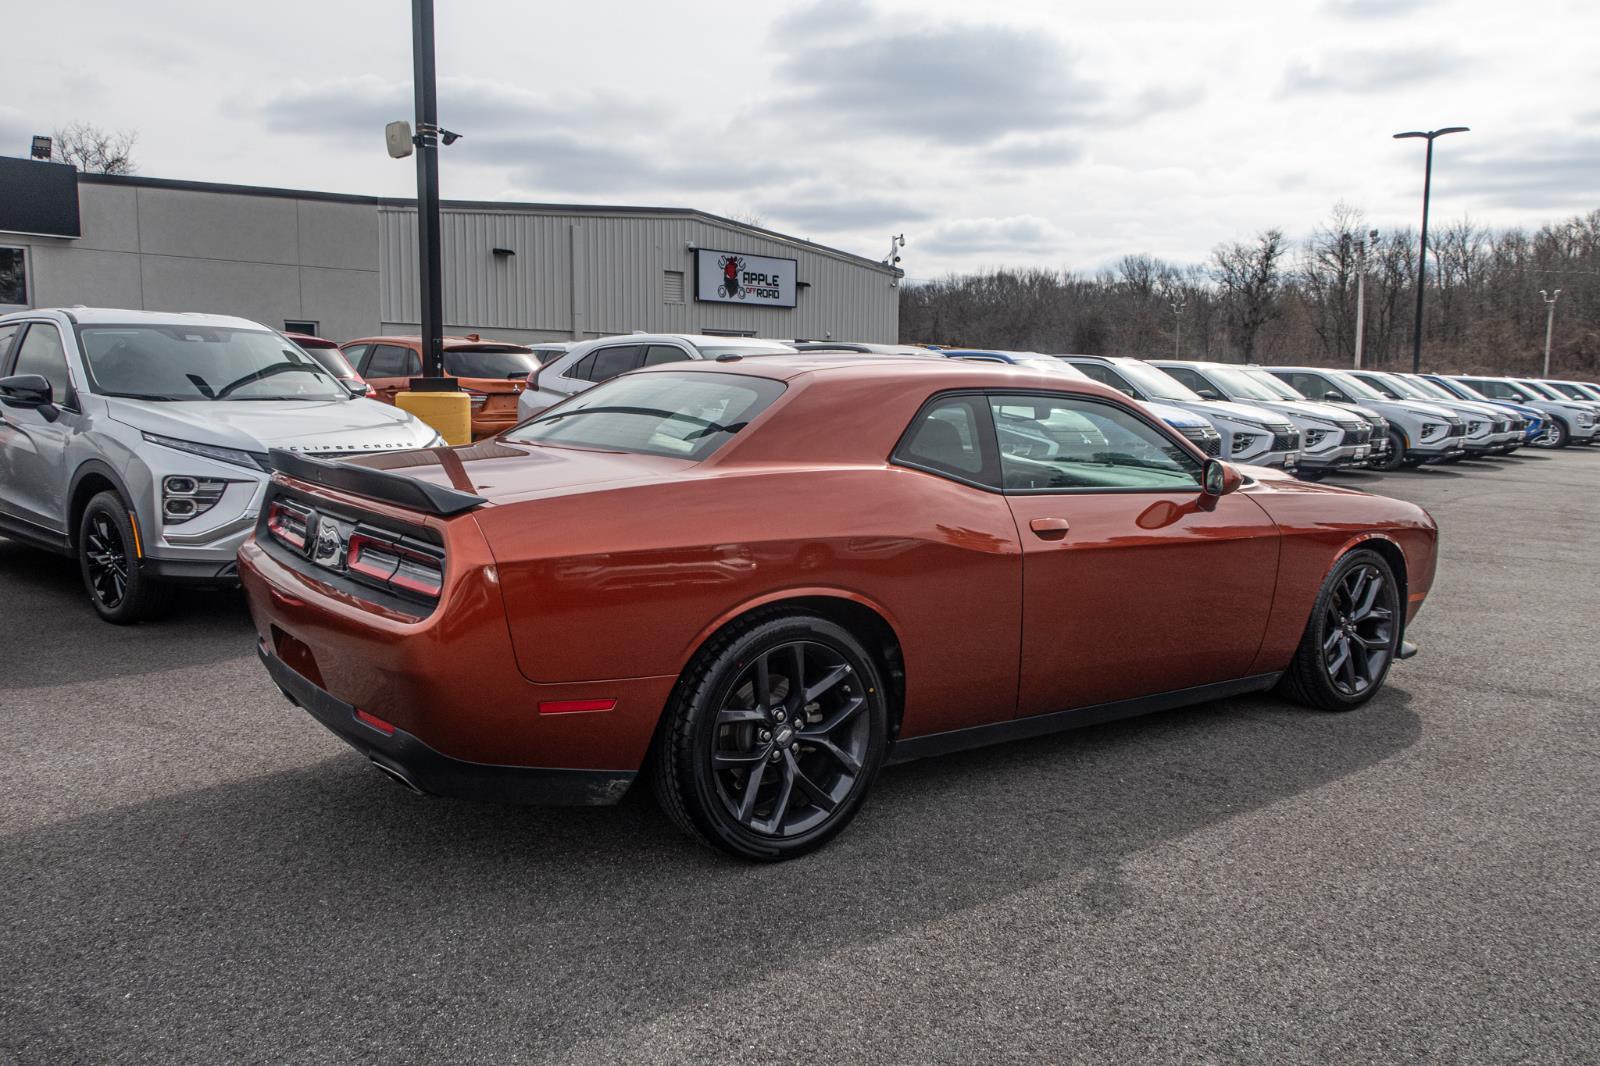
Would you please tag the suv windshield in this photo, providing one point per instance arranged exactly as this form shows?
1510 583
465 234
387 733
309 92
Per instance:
1238 383
1354 386
1542 391
177 361
507 362
1153 381
686 416
1406 390
1277 386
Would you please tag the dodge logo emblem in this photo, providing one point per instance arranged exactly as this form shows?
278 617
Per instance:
325 549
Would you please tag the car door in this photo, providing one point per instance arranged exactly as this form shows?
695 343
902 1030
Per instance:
1134 581
389 368
33 444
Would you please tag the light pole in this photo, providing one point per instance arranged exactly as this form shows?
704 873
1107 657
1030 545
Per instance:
1361 290
1177 327
1549 324
1422 257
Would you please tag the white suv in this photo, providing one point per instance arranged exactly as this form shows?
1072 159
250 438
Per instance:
588 363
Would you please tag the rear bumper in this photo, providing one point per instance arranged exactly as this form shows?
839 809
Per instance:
414 763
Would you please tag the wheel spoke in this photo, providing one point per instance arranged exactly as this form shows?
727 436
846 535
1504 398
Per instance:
763 683
733 760
1334 633
1337 663
1364 607
1360 663
837 719
812 791
780 805
830 679
844 758
741 715
752 786
795 697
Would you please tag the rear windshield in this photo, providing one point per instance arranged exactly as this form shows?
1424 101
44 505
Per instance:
333 359
686 416
505 362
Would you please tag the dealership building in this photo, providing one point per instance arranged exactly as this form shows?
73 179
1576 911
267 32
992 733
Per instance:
346 266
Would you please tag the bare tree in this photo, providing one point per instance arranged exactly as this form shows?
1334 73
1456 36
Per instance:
94 150
1249 280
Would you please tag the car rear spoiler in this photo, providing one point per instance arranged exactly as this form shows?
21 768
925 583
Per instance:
375 484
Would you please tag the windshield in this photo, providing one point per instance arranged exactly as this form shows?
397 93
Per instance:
189 362
1430 390
1238 383
1157 384
1538 389
1403 388
686 416
1354 386
506 363
1473 392
1282 389
1587 391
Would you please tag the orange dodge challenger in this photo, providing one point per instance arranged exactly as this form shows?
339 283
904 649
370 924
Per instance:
771 577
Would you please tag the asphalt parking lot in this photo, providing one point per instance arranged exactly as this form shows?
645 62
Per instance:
191 870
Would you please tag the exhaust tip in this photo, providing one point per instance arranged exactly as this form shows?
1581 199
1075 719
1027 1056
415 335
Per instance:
395 775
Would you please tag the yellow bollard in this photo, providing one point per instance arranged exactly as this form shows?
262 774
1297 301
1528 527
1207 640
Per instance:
448 412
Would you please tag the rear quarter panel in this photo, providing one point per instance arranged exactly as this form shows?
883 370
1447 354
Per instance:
630 582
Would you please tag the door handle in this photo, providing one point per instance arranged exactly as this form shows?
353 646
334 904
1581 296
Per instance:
1049 528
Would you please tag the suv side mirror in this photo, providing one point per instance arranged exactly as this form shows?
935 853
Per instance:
29 392
1333 395
1219 479
1208 394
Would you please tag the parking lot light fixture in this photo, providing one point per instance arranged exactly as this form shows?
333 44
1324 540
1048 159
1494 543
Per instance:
1422 256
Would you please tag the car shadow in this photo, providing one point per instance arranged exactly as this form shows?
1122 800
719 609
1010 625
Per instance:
47 607
326 891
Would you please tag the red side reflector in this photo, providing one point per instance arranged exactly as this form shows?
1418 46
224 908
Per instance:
575 706
375 722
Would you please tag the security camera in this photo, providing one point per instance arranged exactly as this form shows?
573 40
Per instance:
449 137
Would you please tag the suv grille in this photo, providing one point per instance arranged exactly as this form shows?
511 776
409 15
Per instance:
1456 429
1357 436
1205 438
1286 442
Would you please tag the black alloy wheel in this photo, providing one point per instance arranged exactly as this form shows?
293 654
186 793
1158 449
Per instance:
773 737
1359 623
1352 637
119 590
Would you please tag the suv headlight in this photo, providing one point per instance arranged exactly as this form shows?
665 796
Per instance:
1244 442
184 497
235 456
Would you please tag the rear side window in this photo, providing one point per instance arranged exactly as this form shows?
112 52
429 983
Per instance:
664 353
41 353
1105 376
1312 386
356 353
951 436
609 362
685 416
392 361
1190 378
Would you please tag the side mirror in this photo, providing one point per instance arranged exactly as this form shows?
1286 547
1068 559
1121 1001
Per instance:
1333 396
357 389
1208 394
26 391
1219 479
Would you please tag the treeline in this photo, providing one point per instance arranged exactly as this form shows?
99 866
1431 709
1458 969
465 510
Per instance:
1269 300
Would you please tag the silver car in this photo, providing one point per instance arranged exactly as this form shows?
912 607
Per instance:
1418 432
587 363
137 441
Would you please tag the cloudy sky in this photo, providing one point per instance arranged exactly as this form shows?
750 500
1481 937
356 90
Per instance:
1031 133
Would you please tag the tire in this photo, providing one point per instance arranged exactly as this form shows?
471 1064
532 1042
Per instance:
1318 675
720 739
1395 455
118 588
1556 435
1310 475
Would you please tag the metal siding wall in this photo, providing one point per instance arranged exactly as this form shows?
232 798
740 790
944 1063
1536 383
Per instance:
621 284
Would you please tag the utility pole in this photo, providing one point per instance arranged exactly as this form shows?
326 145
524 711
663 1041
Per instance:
1177 328
1361 290
1422 257
1549 324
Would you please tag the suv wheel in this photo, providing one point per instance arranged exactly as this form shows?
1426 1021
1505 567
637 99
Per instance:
772 737
119 590
1396 454
1555 435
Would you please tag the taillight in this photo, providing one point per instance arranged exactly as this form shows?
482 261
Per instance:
289 523
398 566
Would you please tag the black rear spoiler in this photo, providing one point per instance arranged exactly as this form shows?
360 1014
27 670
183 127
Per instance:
375 484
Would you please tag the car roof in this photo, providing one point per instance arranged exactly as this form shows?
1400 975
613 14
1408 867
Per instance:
451 344
121 316
888 370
